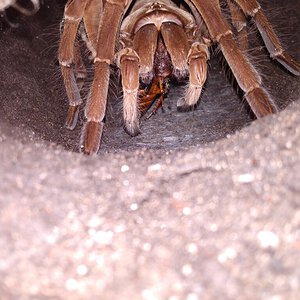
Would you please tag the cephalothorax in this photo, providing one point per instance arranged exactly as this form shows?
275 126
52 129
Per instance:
156 40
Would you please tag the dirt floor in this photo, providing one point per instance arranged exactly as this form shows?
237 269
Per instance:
201 205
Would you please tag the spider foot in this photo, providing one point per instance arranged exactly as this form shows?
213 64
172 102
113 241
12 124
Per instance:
132 127
261 103
91 137
182 106
288 62
72 117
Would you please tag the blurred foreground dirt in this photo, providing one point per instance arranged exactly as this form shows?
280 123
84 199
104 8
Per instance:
201 205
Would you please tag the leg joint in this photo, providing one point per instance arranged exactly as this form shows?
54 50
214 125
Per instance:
223 34
126 53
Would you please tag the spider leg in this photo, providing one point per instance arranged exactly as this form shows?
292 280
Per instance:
129 64
240 24
136 61
79 67
253 9
96 104
70 59
91 19
185 58
25 11
247 77
197 59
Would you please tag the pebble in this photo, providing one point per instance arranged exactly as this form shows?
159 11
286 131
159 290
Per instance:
268 239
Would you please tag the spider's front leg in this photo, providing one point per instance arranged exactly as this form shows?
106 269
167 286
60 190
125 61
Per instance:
247 77
96 104
129 62
136 61
80 18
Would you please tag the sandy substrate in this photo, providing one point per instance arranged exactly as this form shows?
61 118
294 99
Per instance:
201 205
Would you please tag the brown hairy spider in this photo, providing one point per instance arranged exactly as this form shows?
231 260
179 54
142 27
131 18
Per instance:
158 39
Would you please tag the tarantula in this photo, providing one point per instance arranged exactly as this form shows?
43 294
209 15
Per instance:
157 40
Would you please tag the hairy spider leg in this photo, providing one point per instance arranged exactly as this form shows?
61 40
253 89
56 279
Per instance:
105 51
240 24
244 72
70 58
253 9
80 17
